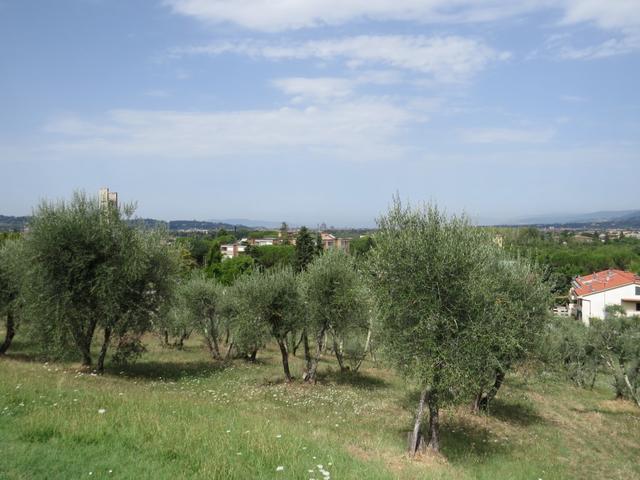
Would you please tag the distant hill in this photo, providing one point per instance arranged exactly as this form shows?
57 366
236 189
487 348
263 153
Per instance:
599 220
201 225
249 223
9 223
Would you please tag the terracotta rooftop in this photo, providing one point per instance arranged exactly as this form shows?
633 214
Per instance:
605 280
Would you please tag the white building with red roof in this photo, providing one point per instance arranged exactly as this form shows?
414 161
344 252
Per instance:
591 294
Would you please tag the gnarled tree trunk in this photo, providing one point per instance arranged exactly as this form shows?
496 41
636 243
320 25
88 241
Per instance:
483 399
298 343
103 349
83 339
307 350
285 358
339 357
212 345
11 331
311 376
252 356
416 439
500 374
434 422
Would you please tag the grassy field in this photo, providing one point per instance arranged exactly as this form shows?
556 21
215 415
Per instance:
177 415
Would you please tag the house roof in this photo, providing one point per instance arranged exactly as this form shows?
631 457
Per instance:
604 280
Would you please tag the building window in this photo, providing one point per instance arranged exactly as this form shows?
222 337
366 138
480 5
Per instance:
637 290
637 307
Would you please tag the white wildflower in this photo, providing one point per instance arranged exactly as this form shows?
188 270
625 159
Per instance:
280 468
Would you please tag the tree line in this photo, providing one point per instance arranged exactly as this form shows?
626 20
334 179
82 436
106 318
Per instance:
609 346
565 258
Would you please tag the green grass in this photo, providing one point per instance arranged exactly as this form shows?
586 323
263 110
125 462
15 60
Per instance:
176 414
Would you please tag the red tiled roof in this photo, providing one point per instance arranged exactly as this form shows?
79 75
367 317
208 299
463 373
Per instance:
605 280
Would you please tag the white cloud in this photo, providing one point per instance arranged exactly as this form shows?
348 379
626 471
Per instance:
358 130
606 14
446 59
279 15
318 89
323 89
618 17
506 135
608 48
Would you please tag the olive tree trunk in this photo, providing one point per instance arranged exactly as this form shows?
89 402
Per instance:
311 376
416 439
298 343
307 350
103 349
339 356
10 333
434 423
285 358
212 345
483 399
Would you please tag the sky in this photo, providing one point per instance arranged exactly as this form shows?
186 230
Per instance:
313 111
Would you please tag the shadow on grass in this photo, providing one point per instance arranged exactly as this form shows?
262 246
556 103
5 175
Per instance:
521 414
352 379
627 409
23 357
22 351
464 436
153 370
462 441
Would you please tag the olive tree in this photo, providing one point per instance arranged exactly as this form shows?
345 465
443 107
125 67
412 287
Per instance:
271 299
513 302
306 249
89 271
425 269
248 333
335 303
199 300
617 341
571 347
12 263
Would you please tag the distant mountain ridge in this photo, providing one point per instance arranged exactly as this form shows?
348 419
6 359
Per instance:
248 223
595 220
602 219
10 223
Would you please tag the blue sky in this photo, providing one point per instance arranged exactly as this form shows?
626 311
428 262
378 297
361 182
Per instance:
320 110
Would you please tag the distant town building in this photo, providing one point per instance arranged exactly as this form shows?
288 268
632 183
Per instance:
232 250
107 199
591 294
261 242
561 311
289 237
331 241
